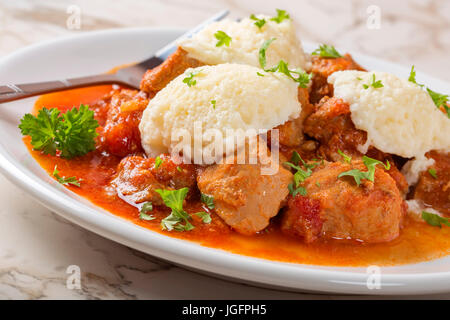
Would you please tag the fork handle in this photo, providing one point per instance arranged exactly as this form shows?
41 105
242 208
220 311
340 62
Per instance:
13 92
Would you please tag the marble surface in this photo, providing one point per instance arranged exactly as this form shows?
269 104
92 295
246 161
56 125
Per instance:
37 246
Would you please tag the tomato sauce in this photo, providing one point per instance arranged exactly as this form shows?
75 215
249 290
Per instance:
417 242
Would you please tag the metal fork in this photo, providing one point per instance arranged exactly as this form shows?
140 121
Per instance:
130 76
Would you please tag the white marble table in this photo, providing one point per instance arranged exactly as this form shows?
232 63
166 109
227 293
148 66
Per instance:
37 246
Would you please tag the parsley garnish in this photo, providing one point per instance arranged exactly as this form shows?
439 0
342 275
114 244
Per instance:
213 102
347 158
174 200
302 78
440 100
158 162
317 184
373 83
179 169
258 22
223 39
301 175
326 51
358 175
208 200
281 16
72 133
65 181
435 220
148 206
205 216
260 74
189 80
432 173
262 52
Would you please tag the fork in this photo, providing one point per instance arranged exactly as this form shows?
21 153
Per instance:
130 76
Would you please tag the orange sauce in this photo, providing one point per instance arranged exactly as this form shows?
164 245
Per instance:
417 242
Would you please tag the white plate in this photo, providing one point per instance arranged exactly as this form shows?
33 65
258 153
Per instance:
100 51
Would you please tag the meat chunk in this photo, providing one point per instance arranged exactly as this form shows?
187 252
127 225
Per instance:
139 177
337 208
157 78
120 135
291 132
435 191
332 125
322 68
245 198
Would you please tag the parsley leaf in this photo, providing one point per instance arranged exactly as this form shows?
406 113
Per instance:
347 158
174 200
208 200
295 158
259 22
72 133
158 162
370 164
205 216
303 78
262 52
65 181
281 16
326 51
294 191
432 173
148 206
373 83
435 220
189 80
223 39
440 100
213 102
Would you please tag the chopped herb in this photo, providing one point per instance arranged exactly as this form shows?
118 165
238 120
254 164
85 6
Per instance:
65 181
223 39
303 78
347 158
72 133
262 52
213 102
294 191
258 22
205 216
440 100
260 74
208 200
358 78
174 200
189 80
179 169
295 158
318 184
281 16
158 162
326 51
435 220
412 77
373 83
370 164
148 206
432 173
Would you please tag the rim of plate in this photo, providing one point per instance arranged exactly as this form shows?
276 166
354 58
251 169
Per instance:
192 255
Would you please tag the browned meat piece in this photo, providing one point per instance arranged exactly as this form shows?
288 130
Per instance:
139 177
157 78
120 135
332 125
337 208
245 199
322 68
291 132
435 192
